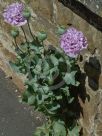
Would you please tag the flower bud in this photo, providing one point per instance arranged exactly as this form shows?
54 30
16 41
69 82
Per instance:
50 81
61 30
26 14
42 36
14 33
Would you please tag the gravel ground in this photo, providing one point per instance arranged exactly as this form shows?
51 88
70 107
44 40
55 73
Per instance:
16 119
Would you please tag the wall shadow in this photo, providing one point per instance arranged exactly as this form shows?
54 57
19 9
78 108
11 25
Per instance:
78 92
93 71
80 9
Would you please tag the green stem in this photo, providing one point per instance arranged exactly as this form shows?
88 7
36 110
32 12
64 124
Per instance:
17 45
26 40
24 34
28 49
33 36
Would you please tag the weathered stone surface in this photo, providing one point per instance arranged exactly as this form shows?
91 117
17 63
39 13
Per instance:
94 5
47 15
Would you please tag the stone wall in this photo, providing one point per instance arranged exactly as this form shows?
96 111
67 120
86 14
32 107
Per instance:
93 5
47 15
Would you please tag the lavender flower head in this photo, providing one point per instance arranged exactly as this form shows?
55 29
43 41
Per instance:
73 42
13 14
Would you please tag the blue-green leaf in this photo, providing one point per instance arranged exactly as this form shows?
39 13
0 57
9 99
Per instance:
70 78
14 67
31 100
74 131
59 128
54 60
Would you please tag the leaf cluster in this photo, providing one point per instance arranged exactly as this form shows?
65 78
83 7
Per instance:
50 74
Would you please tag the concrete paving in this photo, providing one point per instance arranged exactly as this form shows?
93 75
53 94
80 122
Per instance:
16 119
